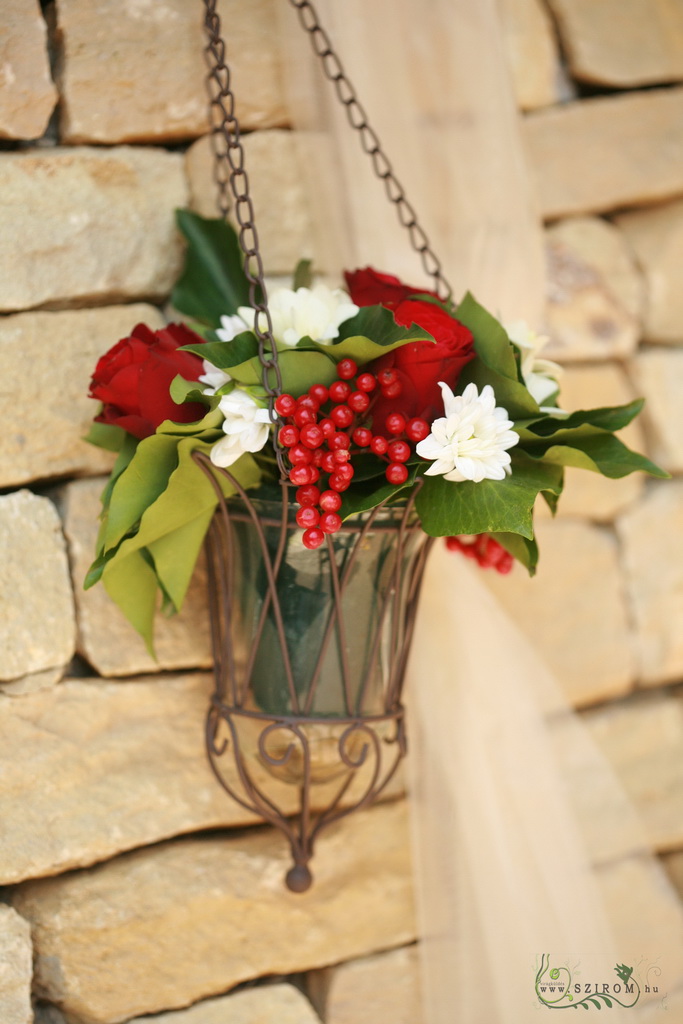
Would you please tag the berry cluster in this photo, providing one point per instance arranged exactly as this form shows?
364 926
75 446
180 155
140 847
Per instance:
484 549
325 428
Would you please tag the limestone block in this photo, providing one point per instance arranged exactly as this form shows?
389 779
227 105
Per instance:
656 237
600 154
594 291
190 918
105 637
46 362
643 741
27 93
282 215
622 42
658 375
110 767
650 533
590 495
15 968
37 624
384 987
134 72
674 868
261 1005
574 609
91 225
532 52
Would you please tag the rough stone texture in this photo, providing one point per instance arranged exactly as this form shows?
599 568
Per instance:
384 987
590 495
163 927
92 225
111 766
658 376
37 625
574 610
650 533
532 52
105 637
42 427
622 42
604 153
272 160
152 53
656 237
594 291
27 93
265 1004
15 968
643 740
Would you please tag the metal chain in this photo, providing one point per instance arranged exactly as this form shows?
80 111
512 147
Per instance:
358 119
229 173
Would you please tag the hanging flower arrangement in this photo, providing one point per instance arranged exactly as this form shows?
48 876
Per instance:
386 389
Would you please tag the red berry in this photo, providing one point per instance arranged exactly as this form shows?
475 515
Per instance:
338 483
366 382
318 457
314 474
319 392
327 426
341 416
395 423
308 402
505 565
308 495
300 475
311 435
396 473
330 522
399 451
339 391
328 463
379 445
345 471
358 401
339 440
347 369
313 538
330 501
362 437
288 435
303 416
417 429
299 454
386 377
307 516
340 456
392 390
285 405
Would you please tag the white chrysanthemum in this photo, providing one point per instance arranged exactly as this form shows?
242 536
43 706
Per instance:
246 427
470 442
539 375
230 327
307 312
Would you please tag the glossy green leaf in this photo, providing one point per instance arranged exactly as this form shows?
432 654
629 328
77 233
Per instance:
614 417
226 354
378 323
367 495
593 449
523 549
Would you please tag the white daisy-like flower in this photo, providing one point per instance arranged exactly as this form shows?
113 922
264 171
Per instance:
470 442
230 327
307 312
246 427
214 378
539 375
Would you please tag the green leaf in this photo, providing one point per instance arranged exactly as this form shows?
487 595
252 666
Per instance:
106 435
610 418
298 369
593 449
378 323
212 420
522 549
368 495
492 506
303 274
226 354
213 282
182 390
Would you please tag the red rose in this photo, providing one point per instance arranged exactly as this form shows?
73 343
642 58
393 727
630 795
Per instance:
420 365
367 287
132 379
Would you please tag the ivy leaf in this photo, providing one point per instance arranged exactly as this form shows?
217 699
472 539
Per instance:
226 354
213 282
491 506
378 323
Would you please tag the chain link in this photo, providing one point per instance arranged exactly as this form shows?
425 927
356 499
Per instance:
358 119
231 178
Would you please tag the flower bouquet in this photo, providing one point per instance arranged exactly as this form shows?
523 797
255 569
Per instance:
388 394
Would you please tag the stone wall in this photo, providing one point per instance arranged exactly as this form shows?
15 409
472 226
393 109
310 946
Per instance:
127 871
